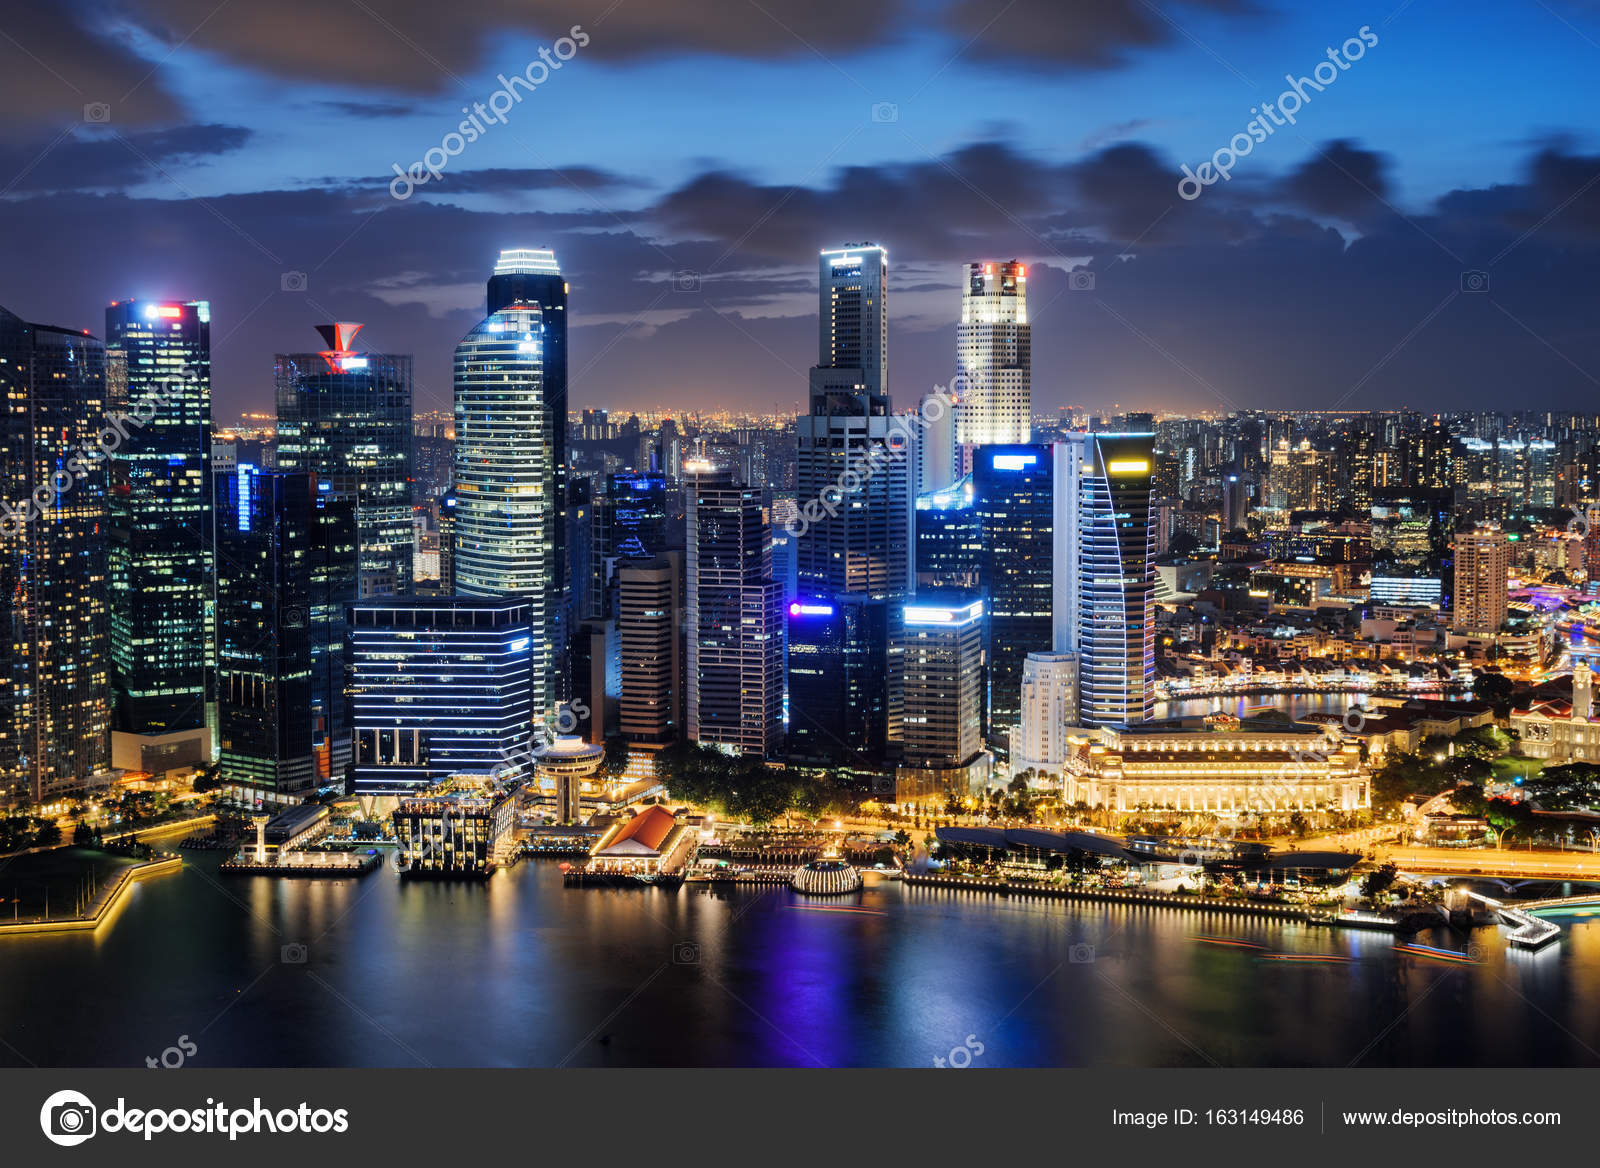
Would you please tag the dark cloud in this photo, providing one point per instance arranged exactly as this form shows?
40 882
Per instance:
63 63
1342 181
1090 34
369 109
96 158
1235 298
510 180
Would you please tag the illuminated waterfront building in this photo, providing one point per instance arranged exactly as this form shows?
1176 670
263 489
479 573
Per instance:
55 706
162 567
942 736
1049 710
838 680
649 613
994 353
463 826
507 518
345 417
286 564
439 687
1228 772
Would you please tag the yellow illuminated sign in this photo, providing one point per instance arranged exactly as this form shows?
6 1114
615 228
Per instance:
1128 466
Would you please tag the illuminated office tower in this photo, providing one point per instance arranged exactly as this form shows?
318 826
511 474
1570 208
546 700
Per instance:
162 569
1014 498
942 737
1482 562
649 610
507 515
439 687
994 354
734 658
283 546
345 417
853 324
854 528
55 706
530 277
949 539
1114 552
939 458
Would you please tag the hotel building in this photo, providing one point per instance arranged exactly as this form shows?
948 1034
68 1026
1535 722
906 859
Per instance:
994 353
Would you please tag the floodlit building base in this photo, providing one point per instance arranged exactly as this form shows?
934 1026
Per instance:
156 754
933 785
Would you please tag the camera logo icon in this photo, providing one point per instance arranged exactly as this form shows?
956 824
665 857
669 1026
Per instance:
293 281
293 953
97 111
686 953
1081 954
686 280
1081 280
68 1118
885 111
1475 281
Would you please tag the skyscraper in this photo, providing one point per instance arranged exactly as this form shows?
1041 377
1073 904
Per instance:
994 353
1015 491
509 527
734 662
855 525
345 417
1482 560
162 569
1115 576
531 277
649 607
55 706
280 541
942 741
853 325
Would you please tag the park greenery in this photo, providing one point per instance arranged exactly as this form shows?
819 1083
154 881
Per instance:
747 788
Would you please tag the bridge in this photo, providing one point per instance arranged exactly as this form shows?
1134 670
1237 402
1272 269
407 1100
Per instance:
1528 928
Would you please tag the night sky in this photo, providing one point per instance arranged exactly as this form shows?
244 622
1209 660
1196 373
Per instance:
687 163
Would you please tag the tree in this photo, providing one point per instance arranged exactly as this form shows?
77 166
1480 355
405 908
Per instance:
1378 881
1496 688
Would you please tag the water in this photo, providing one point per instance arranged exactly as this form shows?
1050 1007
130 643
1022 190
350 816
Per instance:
1296 704
524 972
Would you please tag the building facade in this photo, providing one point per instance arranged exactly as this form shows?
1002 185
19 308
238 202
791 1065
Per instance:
994 354
162 566
345 417
55 704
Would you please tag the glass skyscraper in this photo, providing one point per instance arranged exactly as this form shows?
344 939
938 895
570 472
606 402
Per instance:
1116 580
345 417
282 546
162 569
509 526
55 707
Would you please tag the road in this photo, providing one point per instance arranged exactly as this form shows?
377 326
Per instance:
1457 862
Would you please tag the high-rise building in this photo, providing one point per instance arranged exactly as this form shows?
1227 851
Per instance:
734 660
345 417
55 705
838 680
942 737
1482 561
1115 618
508 525
1015 490
855 527
853 325
531 278
994 354
440 687
649 611
281 543
162 568
949 539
